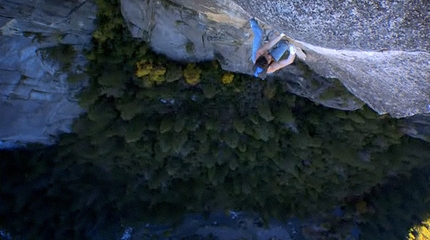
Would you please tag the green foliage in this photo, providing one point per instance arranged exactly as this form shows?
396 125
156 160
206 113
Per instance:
173 74
189 47
398 209
111 78
190 142
268 145
89 97
166 125
63 53
74 78
65 202
192 74
130 109
264 111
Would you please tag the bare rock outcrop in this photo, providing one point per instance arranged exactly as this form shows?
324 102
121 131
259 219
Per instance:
41 45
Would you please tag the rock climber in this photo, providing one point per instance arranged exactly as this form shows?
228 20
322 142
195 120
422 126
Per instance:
267 60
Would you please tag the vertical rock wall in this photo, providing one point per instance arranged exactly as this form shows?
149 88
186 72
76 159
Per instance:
41 47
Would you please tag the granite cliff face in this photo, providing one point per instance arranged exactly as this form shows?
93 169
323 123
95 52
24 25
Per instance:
187 30
379 51
41 47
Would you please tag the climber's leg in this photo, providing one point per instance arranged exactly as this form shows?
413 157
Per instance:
258 38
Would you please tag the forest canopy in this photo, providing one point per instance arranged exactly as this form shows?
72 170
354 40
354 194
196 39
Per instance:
163 138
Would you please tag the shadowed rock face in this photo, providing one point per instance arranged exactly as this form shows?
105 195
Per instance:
41 45
417 126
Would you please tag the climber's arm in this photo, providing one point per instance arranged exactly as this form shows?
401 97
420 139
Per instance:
283 63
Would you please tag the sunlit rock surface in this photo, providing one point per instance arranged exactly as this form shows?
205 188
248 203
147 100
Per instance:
378 50
41 46
189 30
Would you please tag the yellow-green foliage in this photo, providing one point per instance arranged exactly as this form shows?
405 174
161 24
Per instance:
144 68
192 74
157 74
227 78
420 232
150 74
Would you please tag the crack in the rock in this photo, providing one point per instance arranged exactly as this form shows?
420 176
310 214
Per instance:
71 12
3 16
